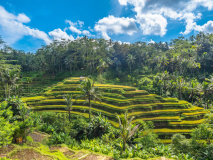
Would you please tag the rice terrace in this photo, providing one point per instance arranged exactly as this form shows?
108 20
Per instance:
169 115
106 80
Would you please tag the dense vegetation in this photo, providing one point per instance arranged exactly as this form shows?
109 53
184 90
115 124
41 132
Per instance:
181 69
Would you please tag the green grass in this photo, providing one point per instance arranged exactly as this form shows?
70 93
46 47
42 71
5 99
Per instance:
195 113
170 131
110 106
33 99
118 99
166 141
196 122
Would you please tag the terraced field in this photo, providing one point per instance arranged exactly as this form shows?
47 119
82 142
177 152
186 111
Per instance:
169 115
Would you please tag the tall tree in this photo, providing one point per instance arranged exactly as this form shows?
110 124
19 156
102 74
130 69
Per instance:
89 92
130 60
69 102
102 66
9 78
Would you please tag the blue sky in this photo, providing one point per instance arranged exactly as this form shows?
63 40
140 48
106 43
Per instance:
26 25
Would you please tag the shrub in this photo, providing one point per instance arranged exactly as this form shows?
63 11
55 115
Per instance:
180 144
98 126
203 132
146 137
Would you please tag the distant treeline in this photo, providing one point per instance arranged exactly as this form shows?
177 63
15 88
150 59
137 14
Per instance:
191 57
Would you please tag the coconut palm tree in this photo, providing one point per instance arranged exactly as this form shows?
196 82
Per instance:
69 63
126 130
89 92
9 79
102 66
192 89
29 80
69 102
206 91
130 60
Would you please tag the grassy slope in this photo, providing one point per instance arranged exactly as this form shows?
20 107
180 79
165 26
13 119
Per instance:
59 152
169 114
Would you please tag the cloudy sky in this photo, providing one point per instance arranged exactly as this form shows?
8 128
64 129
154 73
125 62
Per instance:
28 24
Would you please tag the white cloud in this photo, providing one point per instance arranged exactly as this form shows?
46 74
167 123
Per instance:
208 27
114 25
151 42
74 27
75 30
81 23
128 43
58 34
150 13
13 29
152 24
23 18
71 23
85 32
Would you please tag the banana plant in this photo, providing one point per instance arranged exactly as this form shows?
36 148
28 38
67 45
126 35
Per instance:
126 130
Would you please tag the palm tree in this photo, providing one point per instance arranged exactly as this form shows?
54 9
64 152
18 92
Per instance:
126 130
9 79
206 91
192 88
89 92
180 84
102 66
69 102
130 60
69 62
29 80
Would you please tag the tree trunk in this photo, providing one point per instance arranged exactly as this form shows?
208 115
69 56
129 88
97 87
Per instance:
89 110
5 91
71 69
8 91
69 116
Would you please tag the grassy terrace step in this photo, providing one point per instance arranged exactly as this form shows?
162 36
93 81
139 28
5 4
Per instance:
108 114
166 141
113 108
109 96
171 131
115 86
113 95
148 95
125 102
166 111
176 118
171 99
113 122
141 115
103 89
133 93
196 122
61 92
81 108
195 113
33 99
72 82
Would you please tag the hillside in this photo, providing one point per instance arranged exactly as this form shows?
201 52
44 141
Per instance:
169 115
44 152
